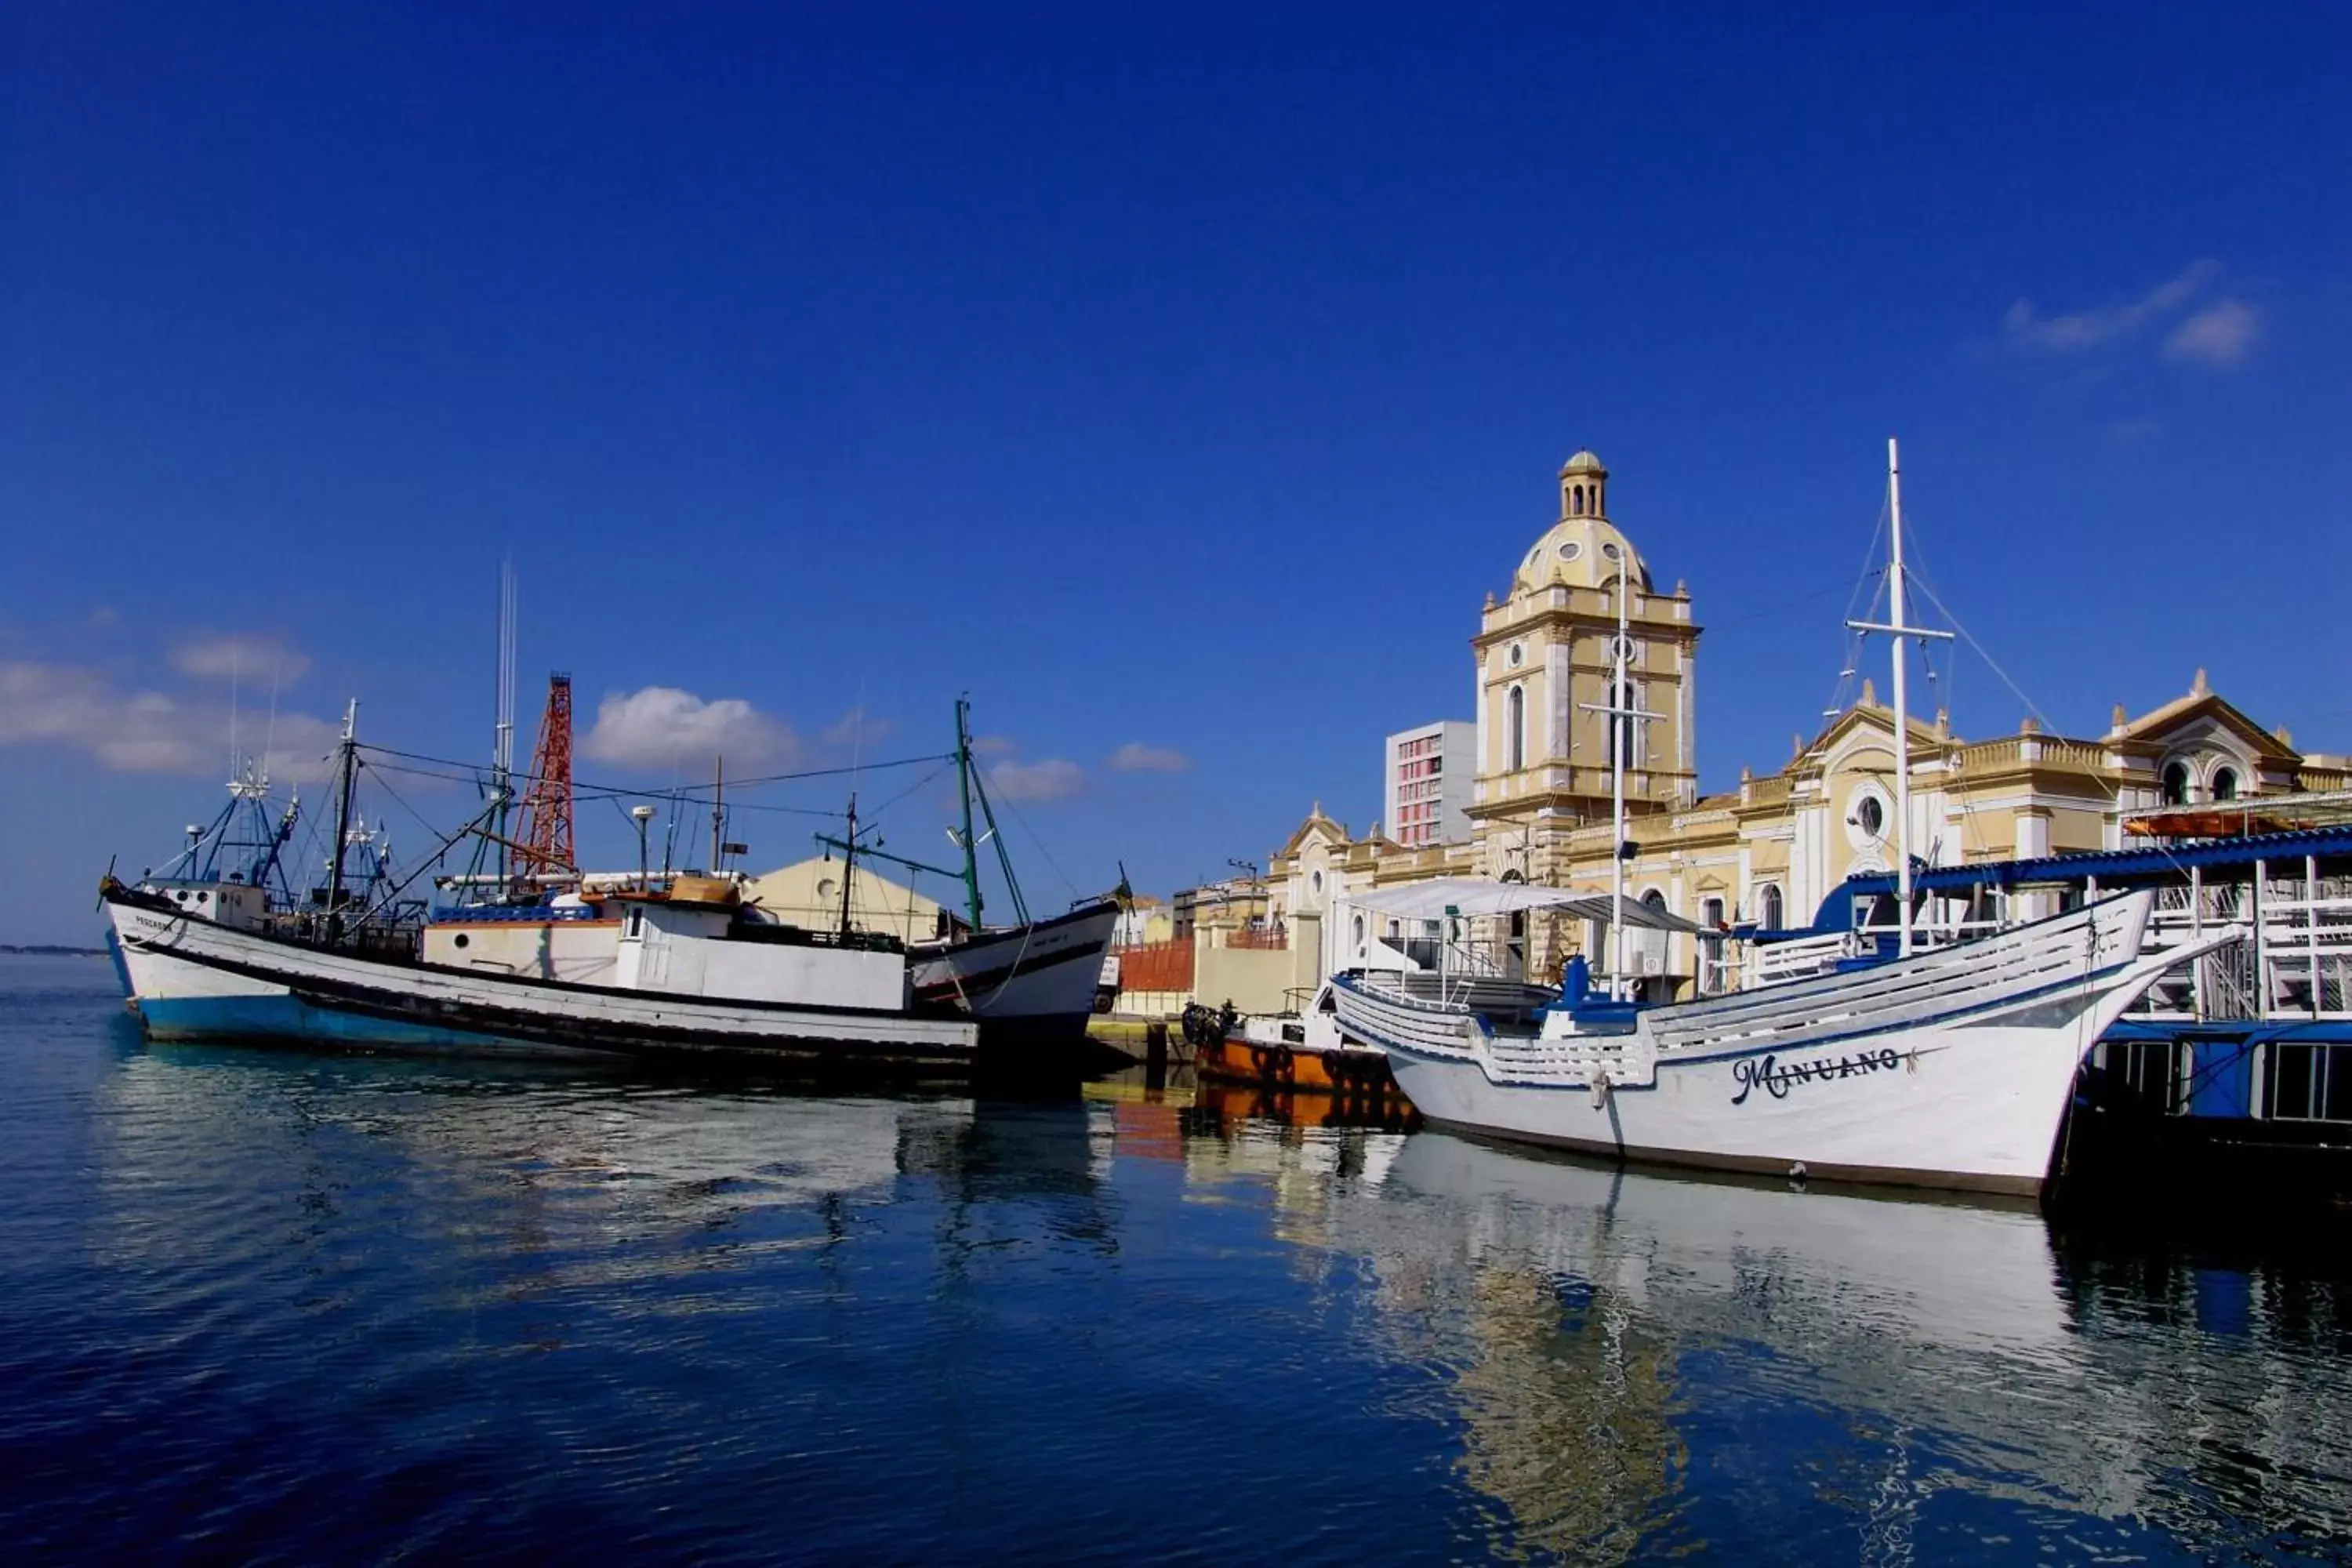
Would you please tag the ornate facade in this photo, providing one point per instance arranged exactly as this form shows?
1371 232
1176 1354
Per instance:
1770 851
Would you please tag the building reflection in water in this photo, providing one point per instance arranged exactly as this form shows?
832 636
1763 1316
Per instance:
1621 1348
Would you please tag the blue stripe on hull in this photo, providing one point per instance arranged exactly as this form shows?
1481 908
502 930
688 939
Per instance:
289 1019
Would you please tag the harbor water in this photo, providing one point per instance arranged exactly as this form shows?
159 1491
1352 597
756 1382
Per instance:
260 1305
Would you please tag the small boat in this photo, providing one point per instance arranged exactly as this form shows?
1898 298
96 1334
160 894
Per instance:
1303 1049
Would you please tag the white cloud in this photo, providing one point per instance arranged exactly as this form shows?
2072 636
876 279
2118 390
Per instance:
1135 757
149 731
2221 334
250 659
661 726
1051 779
2027 329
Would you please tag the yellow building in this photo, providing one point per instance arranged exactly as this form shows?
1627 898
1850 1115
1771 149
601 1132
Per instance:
1770 851
809 895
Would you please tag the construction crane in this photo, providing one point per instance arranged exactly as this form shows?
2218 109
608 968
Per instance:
543 835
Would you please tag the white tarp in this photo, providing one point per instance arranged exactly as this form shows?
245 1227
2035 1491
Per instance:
1477 895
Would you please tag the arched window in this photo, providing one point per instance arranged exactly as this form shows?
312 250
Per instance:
1767 907
1576 502
1621 729
2225 784
1359 930
2176 784
1515 721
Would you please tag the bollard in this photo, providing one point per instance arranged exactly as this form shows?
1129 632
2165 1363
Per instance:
1155 1055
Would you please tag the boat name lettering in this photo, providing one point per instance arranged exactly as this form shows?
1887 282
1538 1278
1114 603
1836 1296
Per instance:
1775 1079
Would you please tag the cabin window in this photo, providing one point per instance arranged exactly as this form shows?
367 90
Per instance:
1515 721
636 923
2225 784
1768 914
461 939
2310 1082
2176 784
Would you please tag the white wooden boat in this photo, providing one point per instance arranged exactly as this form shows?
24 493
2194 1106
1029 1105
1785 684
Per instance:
687 981
1951 1069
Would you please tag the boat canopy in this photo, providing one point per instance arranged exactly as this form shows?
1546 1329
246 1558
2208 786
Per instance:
1477 895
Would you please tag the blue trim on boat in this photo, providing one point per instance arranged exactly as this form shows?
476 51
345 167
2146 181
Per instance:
288 1018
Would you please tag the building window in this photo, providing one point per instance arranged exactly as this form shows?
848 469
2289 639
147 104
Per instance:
1767 907
1576 500
1518 656
1515 721
1711 973
1870 816
2225 784
2176 784
1620 726
1570 550
1316 882
1358 928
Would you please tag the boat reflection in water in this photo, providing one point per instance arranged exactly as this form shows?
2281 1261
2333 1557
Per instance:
1643 1363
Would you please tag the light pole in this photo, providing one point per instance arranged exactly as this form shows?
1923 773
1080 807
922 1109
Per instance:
641 815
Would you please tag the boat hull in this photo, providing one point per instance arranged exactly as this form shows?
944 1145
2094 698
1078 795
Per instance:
1966 1107
191 980
1292 1065
1030 982
1952 1069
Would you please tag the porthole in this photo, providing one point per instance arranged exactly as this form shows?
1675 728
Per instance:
1870 816
1518 656
461 939
203 898
1570 550
1609 551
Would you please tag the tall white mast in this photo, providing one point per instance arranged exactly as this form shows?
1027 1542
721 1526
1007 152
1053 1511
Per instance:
1622 714
1617 738
1902 706
1898 629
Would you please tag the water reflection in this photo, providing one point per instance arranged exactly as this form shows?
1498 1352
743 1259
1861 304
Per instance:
1645 1362
602 1311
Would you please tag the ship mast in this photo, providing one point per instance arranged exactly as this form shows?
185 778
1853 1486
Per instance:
1897 629
1620 712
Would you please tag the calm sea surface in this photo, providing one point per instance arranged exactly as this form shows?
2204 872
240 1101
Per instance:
263 1306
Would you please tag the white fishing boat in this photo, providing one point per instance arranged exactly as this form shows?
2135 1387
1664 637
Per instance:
1948 1069
688 980
693 973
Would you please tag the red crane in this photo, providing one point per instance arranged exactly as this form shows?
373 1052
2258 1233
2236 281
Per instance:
544 833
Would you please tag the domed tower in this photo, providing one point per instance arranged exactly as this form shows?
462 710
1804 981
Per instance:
1583 486
1546 656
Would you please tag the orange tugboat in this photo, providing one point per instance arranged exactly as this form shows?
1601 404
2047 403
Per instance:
1289 1052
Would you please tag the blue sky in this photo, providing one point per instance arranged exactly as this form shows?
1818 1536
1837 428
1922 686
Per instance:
1175 380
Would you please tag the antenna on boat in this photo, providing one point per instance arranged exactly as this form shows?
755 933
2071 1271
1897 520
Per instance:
1896 630
502 732
963 780
718 809
342 824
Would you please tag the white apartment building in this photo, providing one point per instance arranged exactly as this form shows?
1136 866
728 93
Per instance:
1428 784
